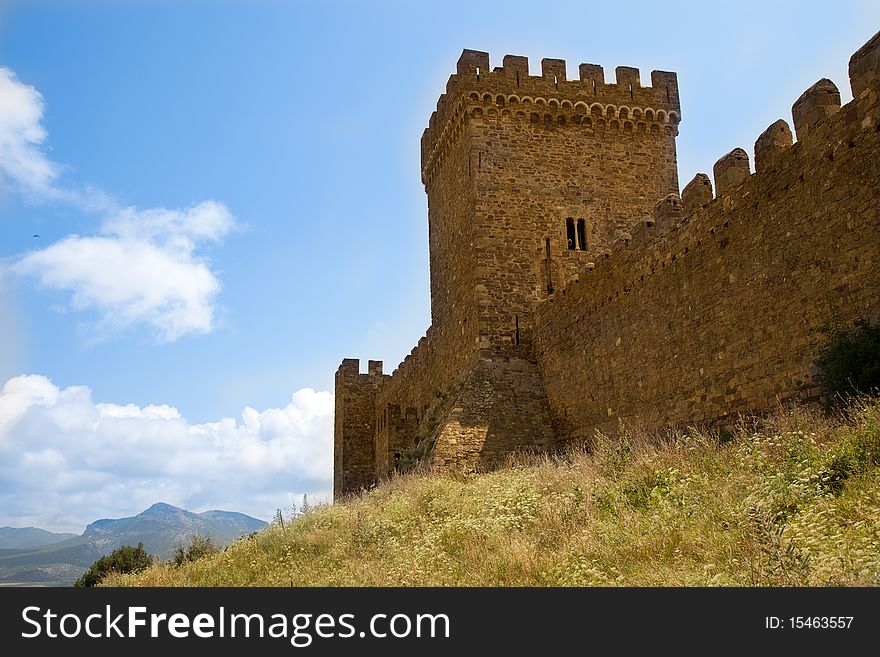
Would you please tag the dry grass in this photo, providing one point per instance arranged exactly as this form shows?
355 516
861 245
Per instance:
794 501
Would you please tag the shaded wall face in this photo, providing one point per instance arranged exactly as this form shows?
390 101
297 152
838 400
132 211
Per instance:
450 236
720 314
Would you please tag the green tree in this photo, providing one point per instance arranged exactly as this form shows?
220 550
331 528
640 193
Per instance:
849 363
126 559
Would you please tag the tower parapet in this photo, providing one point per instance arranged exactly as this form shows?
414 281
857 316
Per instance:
510 90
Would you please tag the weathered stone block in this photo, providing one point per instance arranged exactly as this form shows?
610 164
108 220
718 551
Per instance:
592 72
864 67
551 68
731 170
816 103
627 75
667 212
697 193
774 140
643 232
471 62
514 64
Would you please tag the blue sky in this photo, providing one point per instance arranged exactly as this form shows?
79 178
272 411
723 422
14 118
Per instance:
256 164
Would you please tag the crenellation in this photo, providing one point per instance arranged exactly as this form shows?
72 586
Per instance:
667 213
697 193
817 103
666 85
349 366
627 75
712 260
643 232
730 170
774 140
516 68
592 75
472 64
553 69
864 68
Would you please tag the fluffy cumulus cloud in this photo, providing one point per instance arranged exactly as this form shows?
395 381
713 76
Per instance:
66 460
22 161
143 268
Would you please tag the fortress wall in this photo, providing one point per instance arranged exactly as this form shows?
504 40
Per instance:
432 370
718 313
354 424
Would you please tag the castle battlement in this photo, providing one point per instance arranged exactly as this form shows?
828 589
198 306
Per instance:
509 91
821 129
712 308
573 288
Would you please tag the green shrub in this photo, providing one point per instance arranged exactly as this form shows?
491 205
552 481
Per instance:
849 363
198 547
126 559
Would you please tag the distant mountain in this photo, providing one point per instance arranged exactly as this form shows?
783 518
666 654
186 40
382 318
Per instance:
161 528
24 538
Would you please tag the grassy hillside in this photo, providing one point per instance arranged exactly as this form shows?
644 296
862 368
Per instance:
795 501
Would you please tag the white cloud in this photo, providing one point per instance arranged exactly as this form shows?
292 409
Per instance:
66 460
143 268
22 161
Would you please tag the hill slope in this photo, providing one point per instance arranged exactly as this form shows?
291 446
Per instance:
24 538
161 528
795 501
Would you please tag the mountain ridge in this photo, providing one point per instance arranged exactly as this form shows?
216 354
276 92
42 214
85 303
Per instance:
161 528
22 538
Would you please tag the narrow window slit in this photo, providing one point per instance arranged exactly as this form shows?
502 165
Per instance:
569 233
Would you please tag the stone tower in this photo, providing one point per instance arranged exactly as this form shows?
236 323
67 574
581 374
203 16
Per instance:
529 179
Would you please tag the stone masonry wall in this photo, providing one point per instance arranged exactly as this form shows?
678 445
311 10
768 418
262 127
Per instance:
500 408
717 315
354 424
